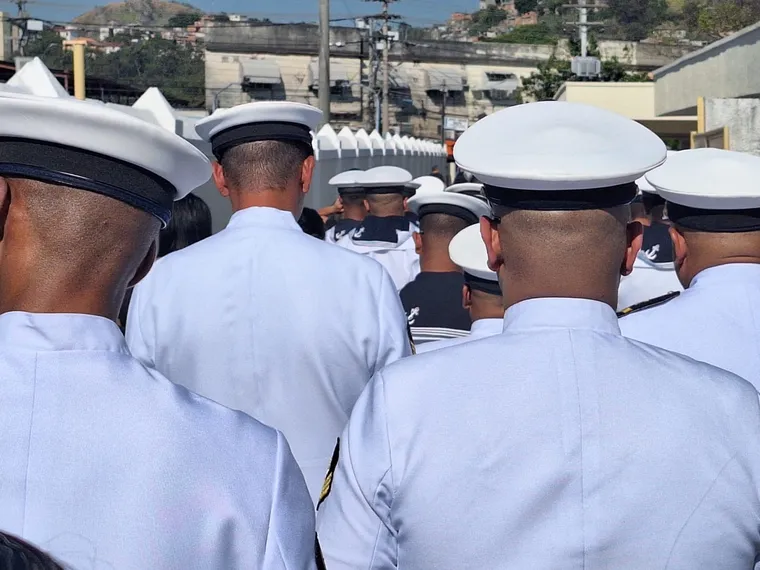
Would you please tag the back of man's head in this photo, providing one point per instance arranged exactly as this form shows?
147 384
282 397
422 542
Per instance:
564 253
264 165
483 305
441 228
70 243
385 205
354 205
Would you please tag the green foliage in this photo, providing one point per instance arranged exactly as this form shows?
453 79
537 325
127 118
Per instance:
713 19
486 19
634 20
538 34
543 85
176 69
183 20
525 6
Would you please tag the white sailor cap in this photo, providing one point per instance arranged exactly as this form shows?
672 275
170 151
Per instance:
433 199
429 184
468 188
710 190
558 156
644 185
64 141
347 182
387 180
468 251
259 121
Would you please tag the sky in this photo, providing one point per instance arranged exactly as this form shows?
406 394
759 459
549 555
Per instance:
414 12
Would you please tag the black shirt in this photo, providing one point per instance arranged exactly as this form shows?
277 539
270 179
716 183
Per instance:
433 305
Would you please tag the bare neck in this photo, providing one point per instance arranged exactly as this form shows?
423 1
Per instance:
31 285
279 199
356 214
435 258
518 289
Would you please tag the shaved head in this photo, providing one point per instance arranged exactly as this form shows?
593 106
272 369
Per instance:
385 204
441 226
696 251
264 165
566 253
66 242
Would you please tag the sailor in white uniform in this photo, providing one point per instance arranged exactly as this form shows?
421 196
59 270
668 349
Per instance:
654 273
558 443
352 199
481 295
432 301
262 317
713 200
386 233
105 463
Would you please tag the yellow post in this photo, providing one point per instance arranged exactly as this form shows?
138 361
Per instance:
79 91
701 115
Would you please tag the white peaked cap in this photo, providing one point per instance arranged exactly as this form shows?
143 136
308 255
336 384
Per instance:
385 176
469 188
346 179
430 200
644 184
258 121
70 142
429 183
567 155
710 179
468 251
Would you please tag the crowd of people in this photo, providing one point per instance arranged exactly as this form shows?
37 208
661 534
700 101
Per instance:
551 363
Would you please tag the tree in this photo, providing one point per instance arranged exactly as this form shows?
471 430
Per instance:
184 20
486 19
538 34
543 85
48 46
525 6
635 19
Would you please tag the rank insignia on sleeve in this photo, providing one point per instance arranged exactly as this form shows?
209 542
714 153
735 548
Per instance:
657 301
327 485
411 339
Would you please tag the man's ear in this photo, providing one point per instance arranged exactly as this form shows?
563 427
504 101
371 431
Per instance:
489 231
307 173
366 205
634 240
221 183
5 204
406 204
466 297
680 252
417 237
145 264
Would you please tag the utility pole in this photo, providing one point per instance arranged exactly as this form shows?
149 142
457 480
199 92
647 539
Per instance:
385 16
443 114
583 24
386 49
324 59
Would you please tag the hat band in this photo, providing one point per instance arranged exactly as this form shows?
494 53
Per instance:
86 170
351 190
562 200
450 210
480 284
254 132
717 221
398 189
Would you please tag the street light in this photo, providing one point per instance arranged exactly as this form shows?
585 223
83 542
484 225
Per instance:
215 105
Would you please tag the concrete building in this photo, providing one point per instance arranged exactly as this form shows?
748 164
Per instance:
277 62
633 100
719 85
10 34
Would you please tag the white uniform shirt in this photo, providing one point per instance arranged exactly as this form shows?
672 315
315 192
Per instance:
265 319
648 281
399 258
556 444
715 320
481 328
108 465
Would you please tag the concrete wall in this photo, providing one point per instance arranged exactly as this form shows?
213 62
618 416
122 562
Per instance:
632 100
6 30
741 116
724 69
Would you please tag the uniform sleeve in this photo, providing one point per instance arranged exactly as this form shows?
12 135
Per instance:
139 328
394 341
353 518
291 543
